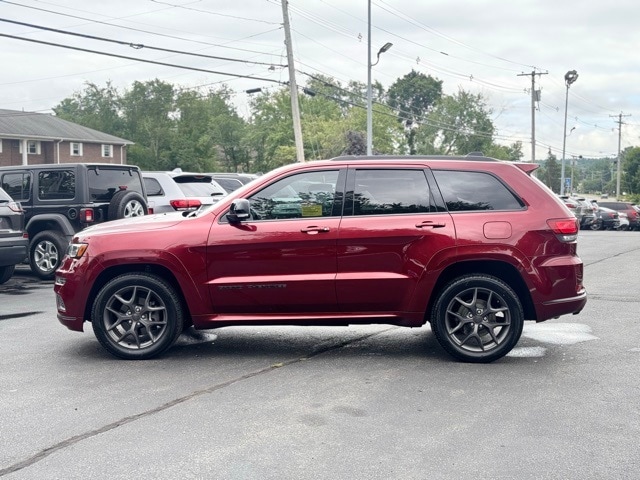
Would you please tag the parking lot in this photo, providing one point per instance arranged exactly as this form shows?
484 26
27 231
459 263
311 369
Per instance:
365 402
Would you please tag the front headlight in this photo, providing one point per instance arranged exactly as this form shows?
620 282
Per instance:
76 250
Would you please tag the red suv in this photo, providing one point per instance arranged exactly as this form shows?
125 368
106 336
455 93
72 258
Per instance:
472 245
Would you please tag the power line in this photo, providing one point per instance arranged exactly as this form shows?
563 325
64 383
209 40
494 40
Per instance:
174 37
141 60
136 46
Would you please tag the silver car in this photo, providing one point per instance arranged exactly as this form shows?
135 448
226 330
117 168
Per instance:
13 238
179 191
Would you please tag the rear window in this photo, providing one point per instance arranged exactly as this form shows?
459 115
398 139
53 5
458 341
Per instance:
198 186
471 191
104 182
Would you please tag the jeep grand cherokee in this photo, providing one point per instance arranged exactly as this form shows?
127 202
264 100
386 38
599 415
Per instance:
473 246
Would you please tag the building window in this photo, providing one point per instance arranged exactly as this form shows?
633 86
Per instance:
76 149
107 151
33 147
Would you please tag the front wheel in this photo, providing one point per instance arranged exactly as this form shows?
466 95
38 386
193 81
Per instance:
477 318
137 316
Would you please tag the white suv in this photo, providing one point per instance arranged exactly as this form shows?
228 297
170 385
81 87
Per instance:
179 191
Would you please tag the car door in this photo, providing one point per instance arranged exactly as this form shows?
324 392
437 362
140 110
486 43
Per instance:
390 231
282 260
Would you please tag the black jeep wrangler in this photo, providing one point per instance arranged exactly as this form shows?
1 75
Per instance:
62 199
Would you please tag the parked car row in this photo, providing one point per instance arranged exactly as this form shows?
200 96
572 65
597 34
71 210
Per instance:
43 206
603 215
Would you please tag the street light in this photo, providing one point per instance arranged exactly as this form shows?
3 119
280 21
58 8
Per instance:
569 77
384 48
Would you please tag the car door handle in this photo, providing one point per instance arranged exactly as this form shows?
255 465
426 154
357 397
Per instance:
430 224
314 229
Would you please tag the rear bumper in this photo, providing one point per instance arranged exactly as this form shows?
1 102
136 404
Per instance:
562 306
13 254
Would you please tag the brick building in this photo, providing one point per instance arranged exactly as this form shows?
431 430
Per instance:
28 138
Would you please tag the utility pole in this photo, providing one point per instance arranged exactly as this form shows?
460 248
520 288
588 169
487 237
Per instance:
293 87
535 97
619 122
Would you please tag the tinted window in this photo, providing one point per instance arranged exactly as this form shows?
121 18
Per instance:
104 182
197 186
380 192
56 184
468 191
310 194
152 186
18 185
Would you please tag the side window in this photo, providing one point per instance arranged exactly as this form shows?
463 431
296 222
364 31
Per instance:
18 185
391 191
56 185
309 194
470 191
152 186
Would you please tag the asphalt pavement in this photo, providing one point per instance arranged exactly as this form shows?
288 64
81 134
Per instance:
362 402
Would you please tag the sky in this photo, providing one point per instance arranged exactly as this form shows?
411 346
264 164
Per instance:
488 47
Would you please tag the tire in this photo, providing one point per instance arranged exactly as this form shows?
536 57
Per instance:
126 204
137 316
6 272
477 318
45 253
596 226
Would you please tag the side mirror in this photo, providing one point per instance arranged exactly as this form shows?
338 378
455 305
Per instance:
240 210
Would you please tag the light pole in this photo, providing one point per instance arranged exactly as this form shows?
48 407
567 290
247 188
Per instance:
384 48
569 77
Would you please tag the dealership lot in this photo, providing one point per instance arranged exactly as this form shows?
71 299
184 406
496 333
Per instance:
358 402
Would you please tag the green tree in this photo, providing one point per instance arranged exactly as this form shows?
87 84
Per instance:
270 131
550 172
631 169
412 97
94 107
149 111
457 125
511 152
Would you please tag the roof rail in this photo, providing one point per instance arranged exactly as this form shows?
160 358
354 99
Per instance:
472 156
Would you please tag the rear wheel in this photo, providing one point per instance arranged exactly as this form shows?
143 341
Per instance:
45 253
477 318
137 316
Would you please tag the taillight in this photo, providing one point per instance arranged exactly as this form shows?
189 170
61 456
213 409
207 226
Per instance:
186 204
15 206
566 229
86 215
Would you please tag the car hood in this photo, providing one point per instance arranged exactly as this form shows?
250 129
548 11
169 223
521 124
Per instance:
136 224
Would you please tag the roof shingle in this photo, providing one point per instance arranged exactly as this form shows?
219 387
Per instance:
40 126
